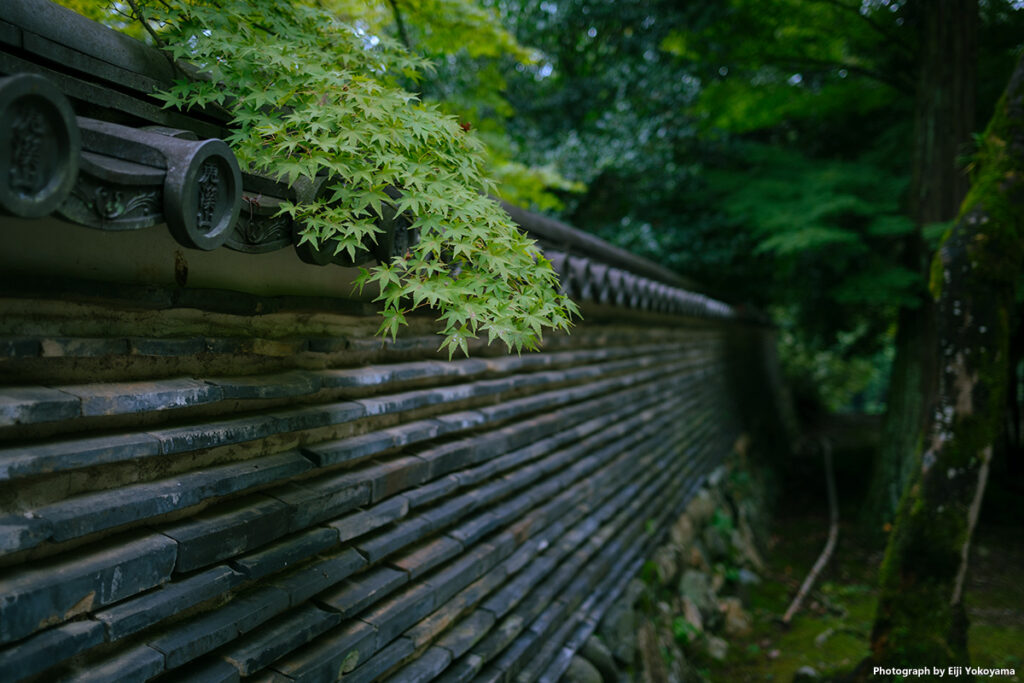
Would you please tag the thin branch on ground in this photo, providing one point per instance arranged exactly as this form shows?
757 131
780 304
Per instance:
833 534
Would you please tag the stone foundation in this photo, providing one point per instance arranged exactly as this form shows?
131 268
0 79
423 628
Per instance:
688 600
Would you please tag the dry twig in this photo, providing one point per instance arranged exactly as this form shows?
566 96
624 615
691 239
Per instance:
833 534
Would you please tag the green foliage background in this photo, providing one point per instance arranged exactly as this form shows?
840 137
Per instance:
761 147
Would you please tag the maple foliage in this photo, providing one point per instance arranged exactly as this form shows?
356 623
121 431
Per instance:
321 89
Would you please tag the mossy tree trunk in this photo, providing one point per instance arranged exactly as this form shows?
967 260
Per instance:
920 619
943 123
1014 431
911 389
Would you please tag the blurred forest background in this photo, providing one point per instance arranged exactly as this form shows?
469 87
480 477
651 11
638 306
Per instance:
802 157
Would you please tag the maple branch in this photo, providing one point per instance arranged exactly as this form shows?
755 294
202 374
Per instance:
400 25
137 11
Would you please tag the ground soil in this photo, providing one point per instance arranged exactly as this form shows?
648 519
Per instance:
831 632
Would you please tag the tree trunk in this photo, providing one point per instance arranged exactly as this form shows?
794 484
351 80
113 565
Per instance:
920 619
943 123
911 390
1014 430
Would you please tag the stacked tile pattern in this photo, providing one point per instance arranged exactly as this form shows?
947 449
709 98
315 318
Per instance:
405 519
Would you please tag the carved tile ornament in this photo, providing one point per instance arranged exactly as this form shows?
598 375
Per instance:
112 204
113 194
202 186
586 280
39 146
113 177
28 132
209 186
134 178
259 229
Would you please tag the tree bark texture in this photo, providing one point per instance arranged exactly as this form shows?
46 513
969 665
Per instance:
1013 445
920 619
943 123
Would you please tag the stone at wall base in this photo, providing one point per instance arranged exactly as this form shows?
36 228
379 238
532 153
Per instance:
717 648
738 623
692 614
618 627
582 671
598 654
711 549
806 674
653 663
696 586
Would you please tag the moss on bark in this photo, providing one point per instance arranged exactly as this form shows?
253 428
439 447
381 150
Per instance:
943 123
920 618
